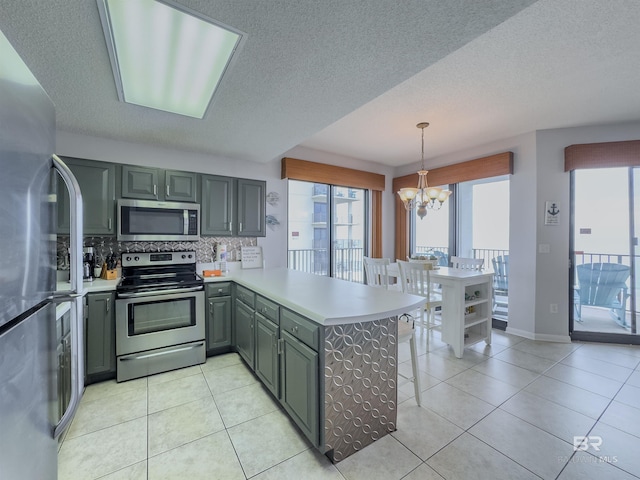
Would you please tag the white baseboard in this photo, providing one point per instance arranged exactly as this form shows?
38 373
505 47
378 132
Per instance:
543 337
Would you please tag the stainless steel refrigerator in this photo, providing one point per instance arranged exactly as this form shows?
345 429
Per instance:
29 417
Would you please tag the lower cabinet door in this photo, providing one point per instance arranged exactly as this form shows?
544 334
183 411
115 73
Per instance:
100 344
244 332
266 360
218 331
299 385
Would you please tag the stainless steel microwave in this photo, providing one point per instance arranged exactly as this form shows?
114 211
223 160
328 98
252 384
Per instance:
147 220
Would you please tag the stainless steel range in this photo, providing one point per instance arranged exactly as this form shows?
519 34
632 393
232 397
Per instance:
159 314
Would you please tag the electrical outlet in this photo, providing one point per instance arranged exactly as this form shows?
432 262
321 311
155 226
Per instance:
553 307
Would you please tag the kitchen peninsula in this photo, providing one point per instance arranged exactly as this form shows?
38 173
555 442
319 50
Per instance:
326 348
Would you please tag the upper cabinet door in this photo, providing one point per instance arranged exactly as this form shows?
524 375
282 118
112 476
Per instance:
97 184
217 206
251 208
140 182
180 186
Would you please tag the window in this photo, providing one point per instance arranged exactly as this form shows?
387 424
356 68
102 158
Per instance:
327 230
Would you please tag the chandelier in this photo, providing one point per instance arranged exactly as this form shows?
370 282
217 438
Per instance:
424 196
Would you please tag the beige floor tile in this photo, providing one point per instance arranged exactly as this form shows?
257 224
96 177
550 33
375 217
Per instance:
582 401
221 361
177 392
597 366
489 389
615 354
629 395
413 424
137 471
507 372
467 457
211 457
423 472
106 451
244 403
551 417
308 465
525 360
265 441
229 378
385 459
111 387
108 411
534 449
503 338
185 423
585 380
549 350
623 417
455 405
584 466
174 375
438 366
470 358
618 447
634 379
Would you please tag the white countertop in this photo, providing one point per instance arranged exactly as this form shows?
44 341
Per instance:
325 300
98 285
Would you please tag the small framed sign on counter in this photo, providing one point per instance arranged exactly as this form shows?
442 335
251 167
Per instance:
251 257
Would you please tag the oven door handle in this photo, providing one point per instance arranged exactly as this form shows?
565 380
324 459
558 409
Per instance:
160 292
157 354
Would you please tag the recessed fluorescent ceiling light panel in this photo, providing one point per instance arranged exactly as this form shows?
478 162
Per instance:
164 55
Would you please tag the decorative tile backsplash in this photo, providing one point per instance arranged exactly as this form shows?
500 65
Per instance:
205 248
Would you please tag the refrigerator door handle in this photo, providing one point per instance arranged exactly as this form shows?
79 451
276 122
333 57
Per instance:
75 278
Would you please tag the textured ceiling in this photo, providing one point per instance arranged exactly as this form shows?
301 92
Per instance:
354 77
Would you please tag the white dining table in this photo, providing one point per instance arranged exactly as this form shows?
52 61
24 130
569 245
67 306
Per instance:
467 297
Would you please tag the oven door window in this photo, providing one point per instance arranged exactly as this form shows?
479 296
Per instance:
161 315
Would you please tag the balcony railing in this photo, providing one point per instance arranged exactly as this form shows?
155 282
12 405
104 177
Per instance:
347 262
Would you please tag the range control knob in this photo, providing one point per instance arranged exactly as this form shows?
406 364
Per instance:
136 258
190 255
128 259
184 256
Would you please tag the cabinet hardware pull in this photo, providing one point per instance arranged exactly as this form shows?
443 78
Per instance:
155 189
240 228
109 224
219 290
280 344
229 226
294 329
167 190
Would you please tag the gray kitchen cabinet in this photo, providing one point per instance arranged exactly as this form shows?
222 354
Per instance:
218 317
217 205
100 347
267 361
299 384
97 184
251 208
231 206
147 183
244 324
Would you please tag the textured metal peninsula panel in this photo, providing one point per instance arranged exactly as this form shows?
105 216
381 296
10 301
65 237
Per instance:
360 378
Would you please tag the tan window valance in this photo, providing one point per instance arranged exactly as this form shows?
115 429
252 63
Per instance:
602 155
307 171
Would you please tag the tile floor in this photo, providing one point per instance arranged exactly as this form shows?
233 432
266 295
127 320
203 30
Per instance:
508 411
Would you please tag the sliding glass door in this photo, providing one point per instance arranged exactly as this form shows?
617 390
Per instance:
605 221
327 229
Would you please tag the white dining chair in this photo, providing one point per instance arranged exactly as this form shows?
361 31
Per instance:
463 263
415 278
376 271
